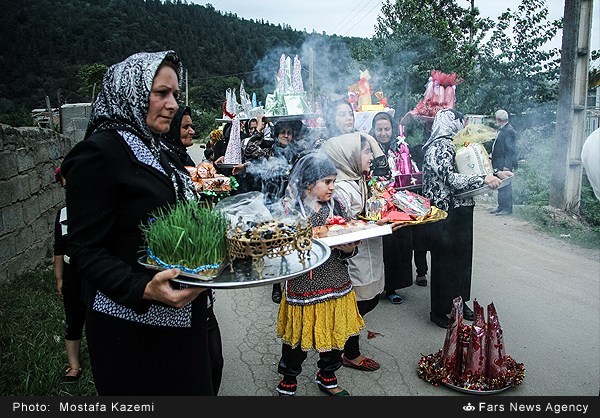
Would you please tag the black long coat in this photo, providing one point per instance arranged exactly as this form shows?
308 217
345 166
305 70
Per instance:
109 194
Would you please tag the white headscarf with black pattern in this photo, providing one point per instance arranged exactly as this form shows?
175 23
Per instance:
446 124
122 105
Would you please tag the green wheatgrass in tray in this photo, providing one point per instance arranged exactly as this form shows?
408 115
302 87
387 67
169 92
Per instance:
187 234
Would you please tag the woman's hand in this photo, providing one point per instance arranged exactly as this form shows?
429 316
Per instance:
492 181
347 248
260 124
504 174
240 168
382 221
220 159
159 289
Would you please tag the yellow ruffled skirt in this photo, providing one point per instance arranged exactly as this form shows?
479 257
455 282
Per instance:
323 326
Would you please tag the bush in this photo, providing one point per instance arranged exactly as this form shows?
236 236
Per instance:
531 184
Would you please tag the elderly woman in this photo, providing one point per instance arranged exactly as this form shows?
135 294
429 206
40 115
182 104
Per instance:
145 335
452 238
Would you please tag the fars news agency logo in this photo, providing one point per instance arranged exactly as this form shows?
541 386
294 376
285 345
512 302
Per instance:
468 407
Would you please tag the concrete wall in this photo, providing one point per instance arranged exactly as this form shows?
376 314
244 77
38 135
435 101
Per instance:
29 196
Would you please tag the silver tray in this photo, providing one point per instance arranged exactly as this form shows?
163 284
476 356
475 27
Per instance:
482 189
245 275
476 392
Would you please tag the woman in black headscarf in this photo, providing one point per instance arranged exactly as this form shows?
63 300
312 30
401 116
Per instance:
452 238
145 336
180 135
397 247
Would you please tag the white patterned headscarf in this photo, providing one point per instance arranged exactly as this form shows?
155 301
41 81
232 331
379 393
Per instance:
122 106
446 124
123 100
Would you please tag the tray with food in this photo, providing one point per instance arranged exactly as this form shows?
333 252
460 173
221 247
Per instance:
349 231
241 273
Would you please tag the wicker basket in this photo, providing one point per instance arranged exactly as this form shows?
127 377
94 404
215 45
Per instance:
270 239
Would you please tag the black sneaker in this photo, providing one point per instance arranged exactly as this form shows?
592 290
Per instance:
494 211
276 294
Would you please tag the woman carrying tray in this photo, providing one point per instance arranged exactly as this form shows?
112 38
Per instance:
451 240
352 155
317 310
397 247
145 336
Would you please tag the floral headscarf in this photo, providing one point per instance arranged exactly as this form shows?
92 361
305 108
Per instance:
446 124
124 96
122 106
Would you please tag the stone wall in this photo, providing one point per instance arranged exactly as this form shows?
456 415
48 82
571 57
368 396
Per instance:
29 196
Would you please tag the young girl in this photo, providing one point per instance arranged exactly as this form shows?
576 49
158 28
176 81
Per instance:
317 310
352 155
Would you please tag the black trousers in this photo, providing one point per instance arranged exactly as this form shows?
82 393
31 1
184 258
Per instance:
73 304
421 266
421 244
290 364
397 258
505 199
215 350
451 259
351 348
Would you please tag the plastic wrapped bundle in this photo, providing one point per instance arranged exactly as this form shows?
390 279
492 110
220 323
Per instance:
473 159
495 346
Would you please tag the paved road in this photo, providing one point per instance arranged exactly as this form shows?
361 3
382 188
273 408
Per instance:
546 292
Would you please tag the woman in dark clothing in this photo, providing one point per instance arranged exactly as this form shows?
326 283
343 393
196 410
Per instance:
180 135
419 232
145 335
397 247
451 239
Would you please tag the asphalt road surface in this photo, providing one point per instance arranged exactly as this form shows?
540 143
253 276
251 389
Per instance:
546 292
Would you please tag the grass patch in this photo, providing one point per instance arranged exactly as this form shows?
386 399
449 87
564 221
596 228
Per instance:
32 349
562 225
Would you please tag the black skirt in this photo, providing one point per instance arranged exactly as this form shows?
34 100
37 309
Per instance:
130 358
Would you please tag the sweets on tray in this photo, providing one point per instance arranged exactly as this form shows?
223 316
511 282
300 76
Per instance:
205 178
337 233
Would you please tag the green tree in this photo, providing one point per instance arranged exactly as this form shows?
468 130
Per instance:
514 71
90 76
414 37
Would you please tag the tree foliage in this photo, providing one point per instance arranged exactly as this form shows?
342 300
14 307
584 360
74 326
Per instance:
90 76
502 63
